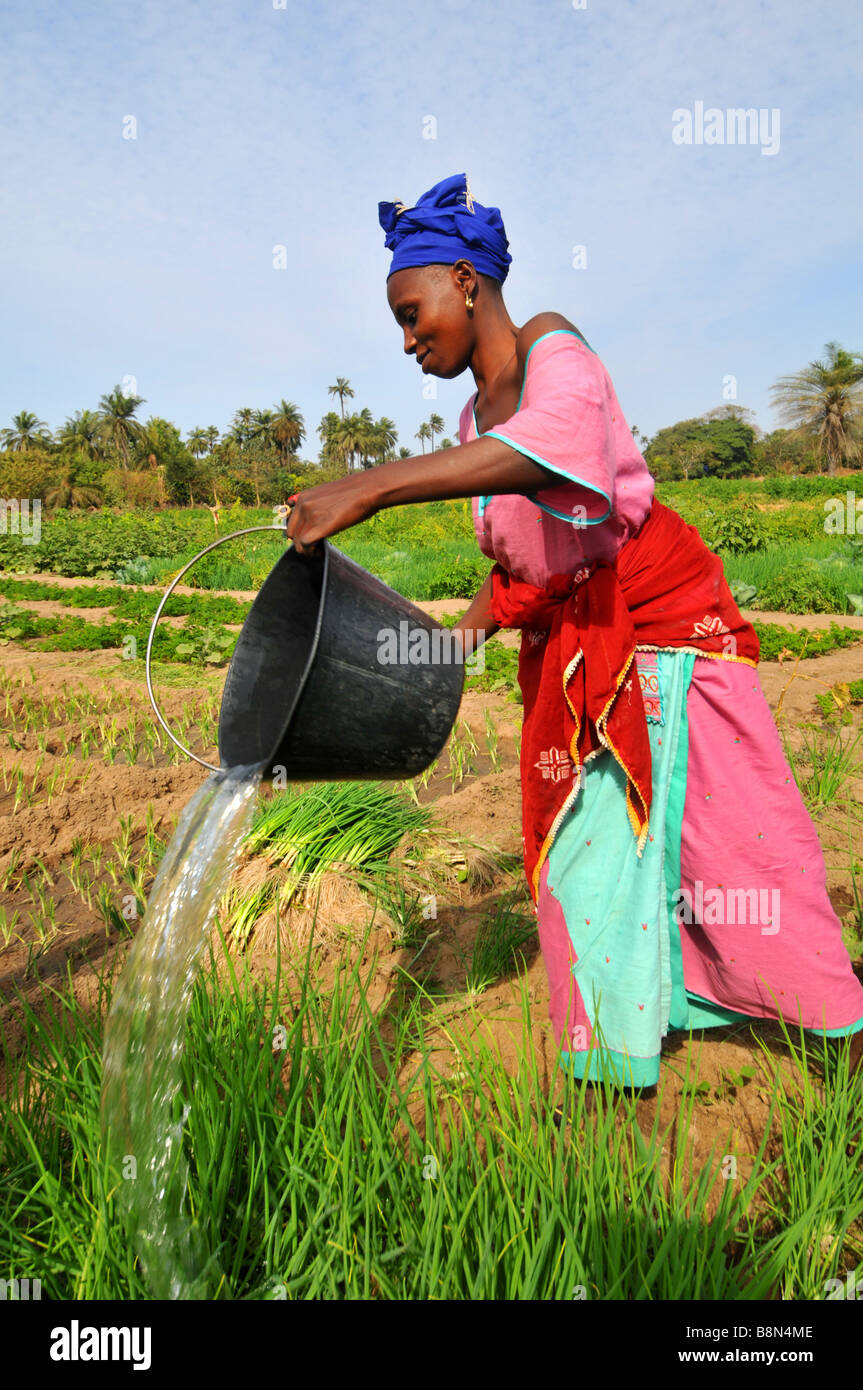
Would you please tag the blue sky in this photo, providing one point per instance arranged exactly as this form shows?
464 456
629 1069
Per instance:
257 126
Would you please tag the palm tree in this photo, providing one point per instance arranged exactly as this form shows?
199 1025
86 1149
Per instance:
288 429
351 437
330 432
385 435
211 434
27 431
262 425
341 389
367 436
405 453
119 426
446 443
824 402
82 432
242 425
436 426
422 434
68 491
198 443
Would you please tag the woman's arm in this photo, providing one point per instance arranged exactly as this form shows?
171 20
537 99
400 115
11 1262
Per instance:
484 467
477 623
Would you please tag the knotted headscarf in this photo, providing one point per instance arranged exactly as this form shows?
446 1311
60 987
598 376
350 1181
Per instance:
445 225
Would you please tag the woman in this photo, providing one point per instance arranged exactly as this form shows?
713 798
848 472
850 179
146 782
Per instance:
677 877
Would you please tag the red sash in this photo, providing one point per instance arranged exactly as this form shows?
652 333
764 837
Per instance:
577 668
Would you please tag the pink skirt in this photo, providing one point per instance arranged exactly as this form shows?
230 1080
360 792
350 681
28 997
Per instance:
745 840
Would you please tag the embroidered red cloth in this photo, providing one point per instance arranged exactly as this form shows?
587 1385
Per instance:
577 667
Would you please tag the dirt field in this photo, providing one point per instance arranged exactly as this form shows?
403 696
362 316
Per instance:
98 798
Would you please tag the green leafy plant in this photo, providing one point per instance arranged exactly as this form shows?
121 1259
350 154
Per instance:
774 639
500 673
211 645
835 703
801 589
743 594
12 622
137 571
462 579
733 1081
737 528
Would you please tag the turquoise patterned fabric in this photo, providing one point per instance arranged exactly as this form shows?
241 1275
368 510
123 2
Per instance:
619 909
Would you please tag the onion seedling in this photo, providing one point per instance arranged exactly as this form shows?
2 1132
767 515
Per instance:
8 924
491 741
15 858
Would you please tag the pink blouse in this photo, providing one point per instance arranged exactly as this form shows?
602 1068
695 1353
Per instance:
568 419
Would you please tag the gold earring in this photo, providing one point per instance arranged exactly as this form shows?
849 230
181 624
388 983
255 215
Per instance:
468 301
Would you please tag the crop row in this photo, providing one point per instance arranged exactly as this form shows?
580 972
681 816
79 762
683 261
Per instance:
85 723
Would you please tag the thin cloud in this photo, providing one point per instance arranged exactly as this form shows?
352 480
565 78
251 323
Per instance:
260 127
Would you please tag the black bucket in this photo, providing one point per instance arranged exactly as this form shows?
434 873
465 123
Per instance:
336 677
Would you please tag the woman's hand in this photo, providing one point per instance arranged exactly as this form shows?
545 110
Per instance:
321 511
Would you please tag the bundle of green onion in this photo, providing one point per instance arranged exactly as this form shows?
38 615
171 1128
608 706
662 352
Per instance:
305 834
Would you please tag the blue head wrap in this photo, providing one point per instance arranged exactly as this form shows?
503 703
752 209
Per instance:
445 225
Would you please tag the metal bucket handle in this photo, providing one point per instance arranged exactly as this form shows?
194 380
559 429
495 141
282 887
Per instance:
273 526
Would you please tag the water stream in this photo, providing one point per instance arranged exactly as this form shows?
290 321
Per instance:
144 1034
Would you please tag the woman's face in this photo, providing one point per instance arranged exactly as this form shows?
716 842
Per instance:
430 307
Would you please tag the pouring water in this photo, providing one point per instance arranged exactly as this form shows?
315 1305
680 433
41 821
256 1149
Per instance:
144 1034
306 697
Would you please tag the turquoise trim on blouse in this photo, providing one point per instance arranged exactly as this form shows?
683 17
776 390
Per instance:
570 477
562 516
550 334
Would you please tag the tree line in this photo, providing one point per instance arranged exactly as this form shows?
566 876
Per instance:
821 407
108 456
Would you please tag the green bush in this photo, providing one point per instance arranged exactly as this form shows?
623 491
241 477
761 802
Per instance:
797 522
15 622
137 571
744 595
820 485
773 638
77 635
738 529
28 472
460 580
100 542
420 526
804 588
138 604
